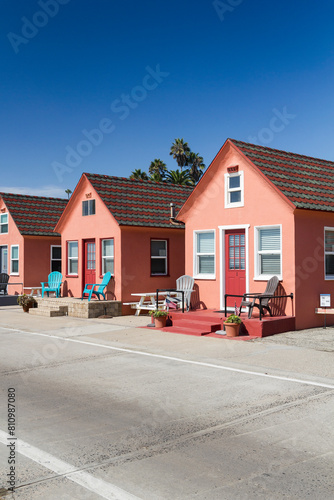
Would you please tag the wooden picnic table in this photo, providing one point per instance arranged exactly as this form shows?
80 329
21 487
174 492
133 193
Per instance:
34 290
147 301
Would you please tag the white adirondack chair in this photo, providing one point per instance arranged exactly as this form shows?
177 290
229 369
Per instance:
183 283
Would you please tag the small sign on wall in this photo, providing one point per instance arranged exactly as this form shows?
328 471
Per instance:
325 300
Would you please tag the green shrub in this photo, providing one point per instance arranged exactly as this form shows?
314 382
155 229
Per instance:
233 319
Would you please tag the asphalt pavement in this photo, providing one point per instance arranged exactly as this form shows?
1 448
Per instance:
108 408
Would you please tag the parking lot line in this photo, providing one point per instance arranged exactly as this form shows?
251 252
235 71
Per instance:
98 486
181 360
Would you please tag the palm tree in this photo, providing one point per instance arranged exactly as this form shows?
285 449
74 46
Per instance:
178 177
180 151
156 177
138 174
157 169
196 164
68 192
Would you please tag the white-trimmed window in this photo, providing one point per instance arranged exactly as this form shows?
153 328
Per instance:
3 223
107 256
268 252
204 258
72 257
14 259
55 258
234 190
88 207
159 258
329 253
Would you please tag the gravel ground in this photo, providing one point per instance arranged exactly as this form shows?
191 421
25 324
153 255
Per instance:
320 339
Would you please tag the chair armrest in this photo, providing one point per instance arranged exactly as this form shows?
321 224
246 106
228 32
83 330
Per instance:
253 294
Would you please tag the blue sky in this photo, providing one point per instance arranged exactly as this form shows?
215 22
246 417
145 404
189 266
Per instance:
106 86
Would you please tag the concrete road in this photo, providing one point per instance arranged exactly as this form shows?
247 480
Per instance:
106 410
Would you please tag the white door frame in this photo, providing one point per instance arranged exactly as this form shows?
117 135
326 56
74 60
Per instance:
222 230
2 247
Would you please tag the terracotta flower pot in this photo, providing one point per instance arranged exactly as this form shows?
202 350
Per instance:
160 322
232 329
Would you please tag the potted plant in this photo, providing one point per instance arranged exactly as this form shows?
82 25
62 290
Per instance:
232 325
159 318
26 301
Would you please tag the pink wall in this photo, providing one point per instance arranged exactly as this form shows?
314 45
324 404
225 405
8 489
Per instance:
132 248
136 259
74 227
310 267
263 205
34 256
13 238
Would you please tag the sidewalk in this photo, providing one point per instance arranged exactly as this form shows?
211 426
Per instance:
302 354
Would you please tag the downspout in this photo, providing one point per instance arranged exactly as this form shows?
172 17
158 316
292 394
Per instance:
172 219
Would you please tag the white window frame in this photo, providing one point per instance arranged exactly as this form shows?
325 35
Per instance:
4 223
330 277
104 257
8 260
12 273
257 253
69 259
240 203
90 204
196 274
165 257
51 259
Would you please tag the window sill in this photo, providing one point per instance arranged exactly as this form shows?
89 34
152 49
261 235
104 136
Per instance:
72 276
159 275
267 277
235 205
14 274
204 277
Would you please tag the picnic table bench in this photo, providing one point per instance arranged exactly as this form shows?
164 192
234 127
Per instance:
147 301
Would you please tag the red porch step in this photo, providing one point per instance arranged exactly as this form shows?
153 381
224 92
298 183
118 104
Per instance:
193 324
186 330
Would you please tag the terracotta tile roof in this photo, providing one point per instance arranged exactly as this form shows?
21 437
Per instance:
34 215
139 203
307 182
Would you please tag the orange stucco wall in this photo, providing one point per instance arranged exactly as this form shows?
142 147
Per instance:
263 205
37 258
34 256
131 248
136 258
310 267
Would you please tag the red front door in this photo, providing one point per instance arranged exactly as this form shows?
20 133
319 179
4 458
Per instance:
235 265
89 262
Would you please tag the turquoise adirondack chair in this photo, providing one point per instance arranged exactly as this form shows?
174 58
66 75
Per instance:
97 288
53 284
